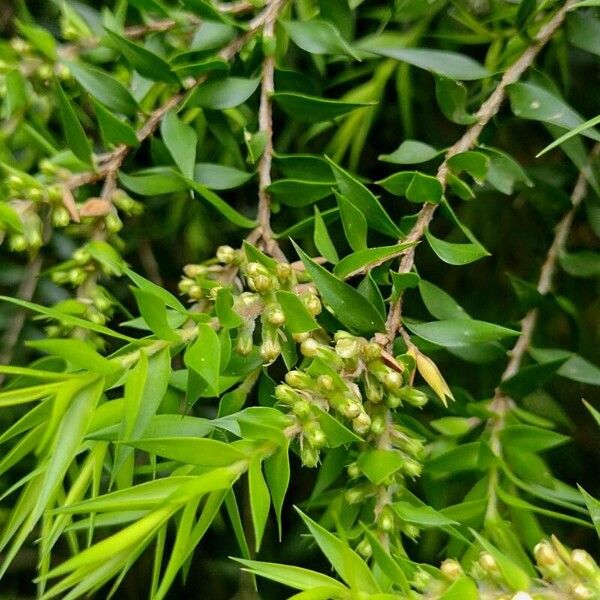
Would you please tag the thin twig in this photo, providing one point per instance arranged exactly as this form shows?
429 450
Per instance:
486 112
26 291
264 232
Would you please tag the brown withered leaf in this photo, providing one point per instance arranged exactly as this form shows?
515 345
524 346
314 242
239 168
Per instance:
95 207
69 204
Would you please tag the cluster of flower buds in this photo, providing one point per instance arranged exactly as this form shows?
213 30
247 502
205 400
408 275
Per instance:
254 286
565 573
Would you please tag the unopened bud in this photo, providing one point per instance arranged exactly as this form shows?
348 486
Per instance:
348 347
393 381
284 393
371 351
582 592
244 344
81 256
284 271
362 423
254 269
60 217
378 425
309 456
421 580
309 347
18 243
412 531
385 522
185 285
192 271
413 396
196 292
353 470
356 494
314 434
275 316
325 384
77 276
583 564
34 194
521 596
113 222
270 350
412 468
313 304
299 380
300 337
364 548
301 409
488 563
546 555
393 401
263 284
226 254
451 569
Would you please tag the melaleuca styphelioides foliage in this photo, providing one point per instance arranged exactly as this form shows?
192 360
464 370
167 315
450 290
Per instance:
296 365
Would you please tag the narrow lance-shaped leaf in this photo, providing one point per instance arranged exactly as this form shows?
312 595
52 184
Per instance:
76 137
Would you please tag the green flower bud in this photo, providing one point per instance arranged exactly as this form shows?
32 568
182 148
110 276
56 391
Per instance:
412 468
310 347
357 494
301 409
263 284
393 381
60 217
489 565
35 239
300 337
102 303
18 243
583 564
299 380
113 222
270 350
378 424
15 181
582 592
421 580
364 548
313 304
362 423
275 316
227 255
325 384
185 285
353 470
284 393
193 271
269 45
77 276
59 277
44 72
548 559
244 343
82 256
55 193
385 521
413 396
47 167
412 531
393 401
314 434
63 72
196 292
373 389
451 569
371 351
348 347
96 317
309 456
34 194
284 271
254 269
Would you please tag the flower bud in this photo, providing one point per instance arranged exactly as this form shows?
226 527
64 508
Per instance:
412 531
378 424
55 193
270 350
34 194
373 389
81 256
196 292
371 351
353 470
299 380
489 565
421 580
393 381
582 592
362 423
284 271
254 269
348 347
314 434
275 316
413 396
60 217
547 557
18 243
300 337
96 317
412 468
357 494
192 271
263 284
244 343
59 277
385 522
583 564
77 276
284 393
309 347
313 304
325 384
113 222
451 569
364 548
522 596
47 167
227 255
301 408
309 456
393 401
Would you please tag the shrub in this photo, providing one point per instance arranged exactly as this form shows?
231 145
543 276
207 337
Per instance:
326 255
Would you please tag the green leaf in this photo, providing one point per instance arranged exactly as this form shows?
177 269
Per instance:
593 412
528 438
292 576
530 378
277 473
146 63
529 101
39 38
386 562
440 62
336 433
514 576
222 93
199 67
403 281
297 318
474 163
318 37
293 192
593 507
451 97
410 152
74 133
417 187
181 140
191 450
462 588
228 317
504 171
365 201
154 311
347 304
154 181
219 204
157 290
456 253
424 516
203 356
351 568
16 93
220 177
353 222
584 32
452 426
583 129
365 259
439 303
77 352
314 109
456 333
322 240
260 500
377 465
575 368
581 264
107 256
114 130
104 88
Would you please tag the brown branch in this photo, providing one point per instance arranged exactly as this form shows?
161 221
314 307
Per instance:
485 113
264 232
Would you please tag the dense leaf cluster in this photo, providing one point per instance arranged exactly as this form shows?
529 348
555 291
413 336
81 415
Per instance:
257 254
